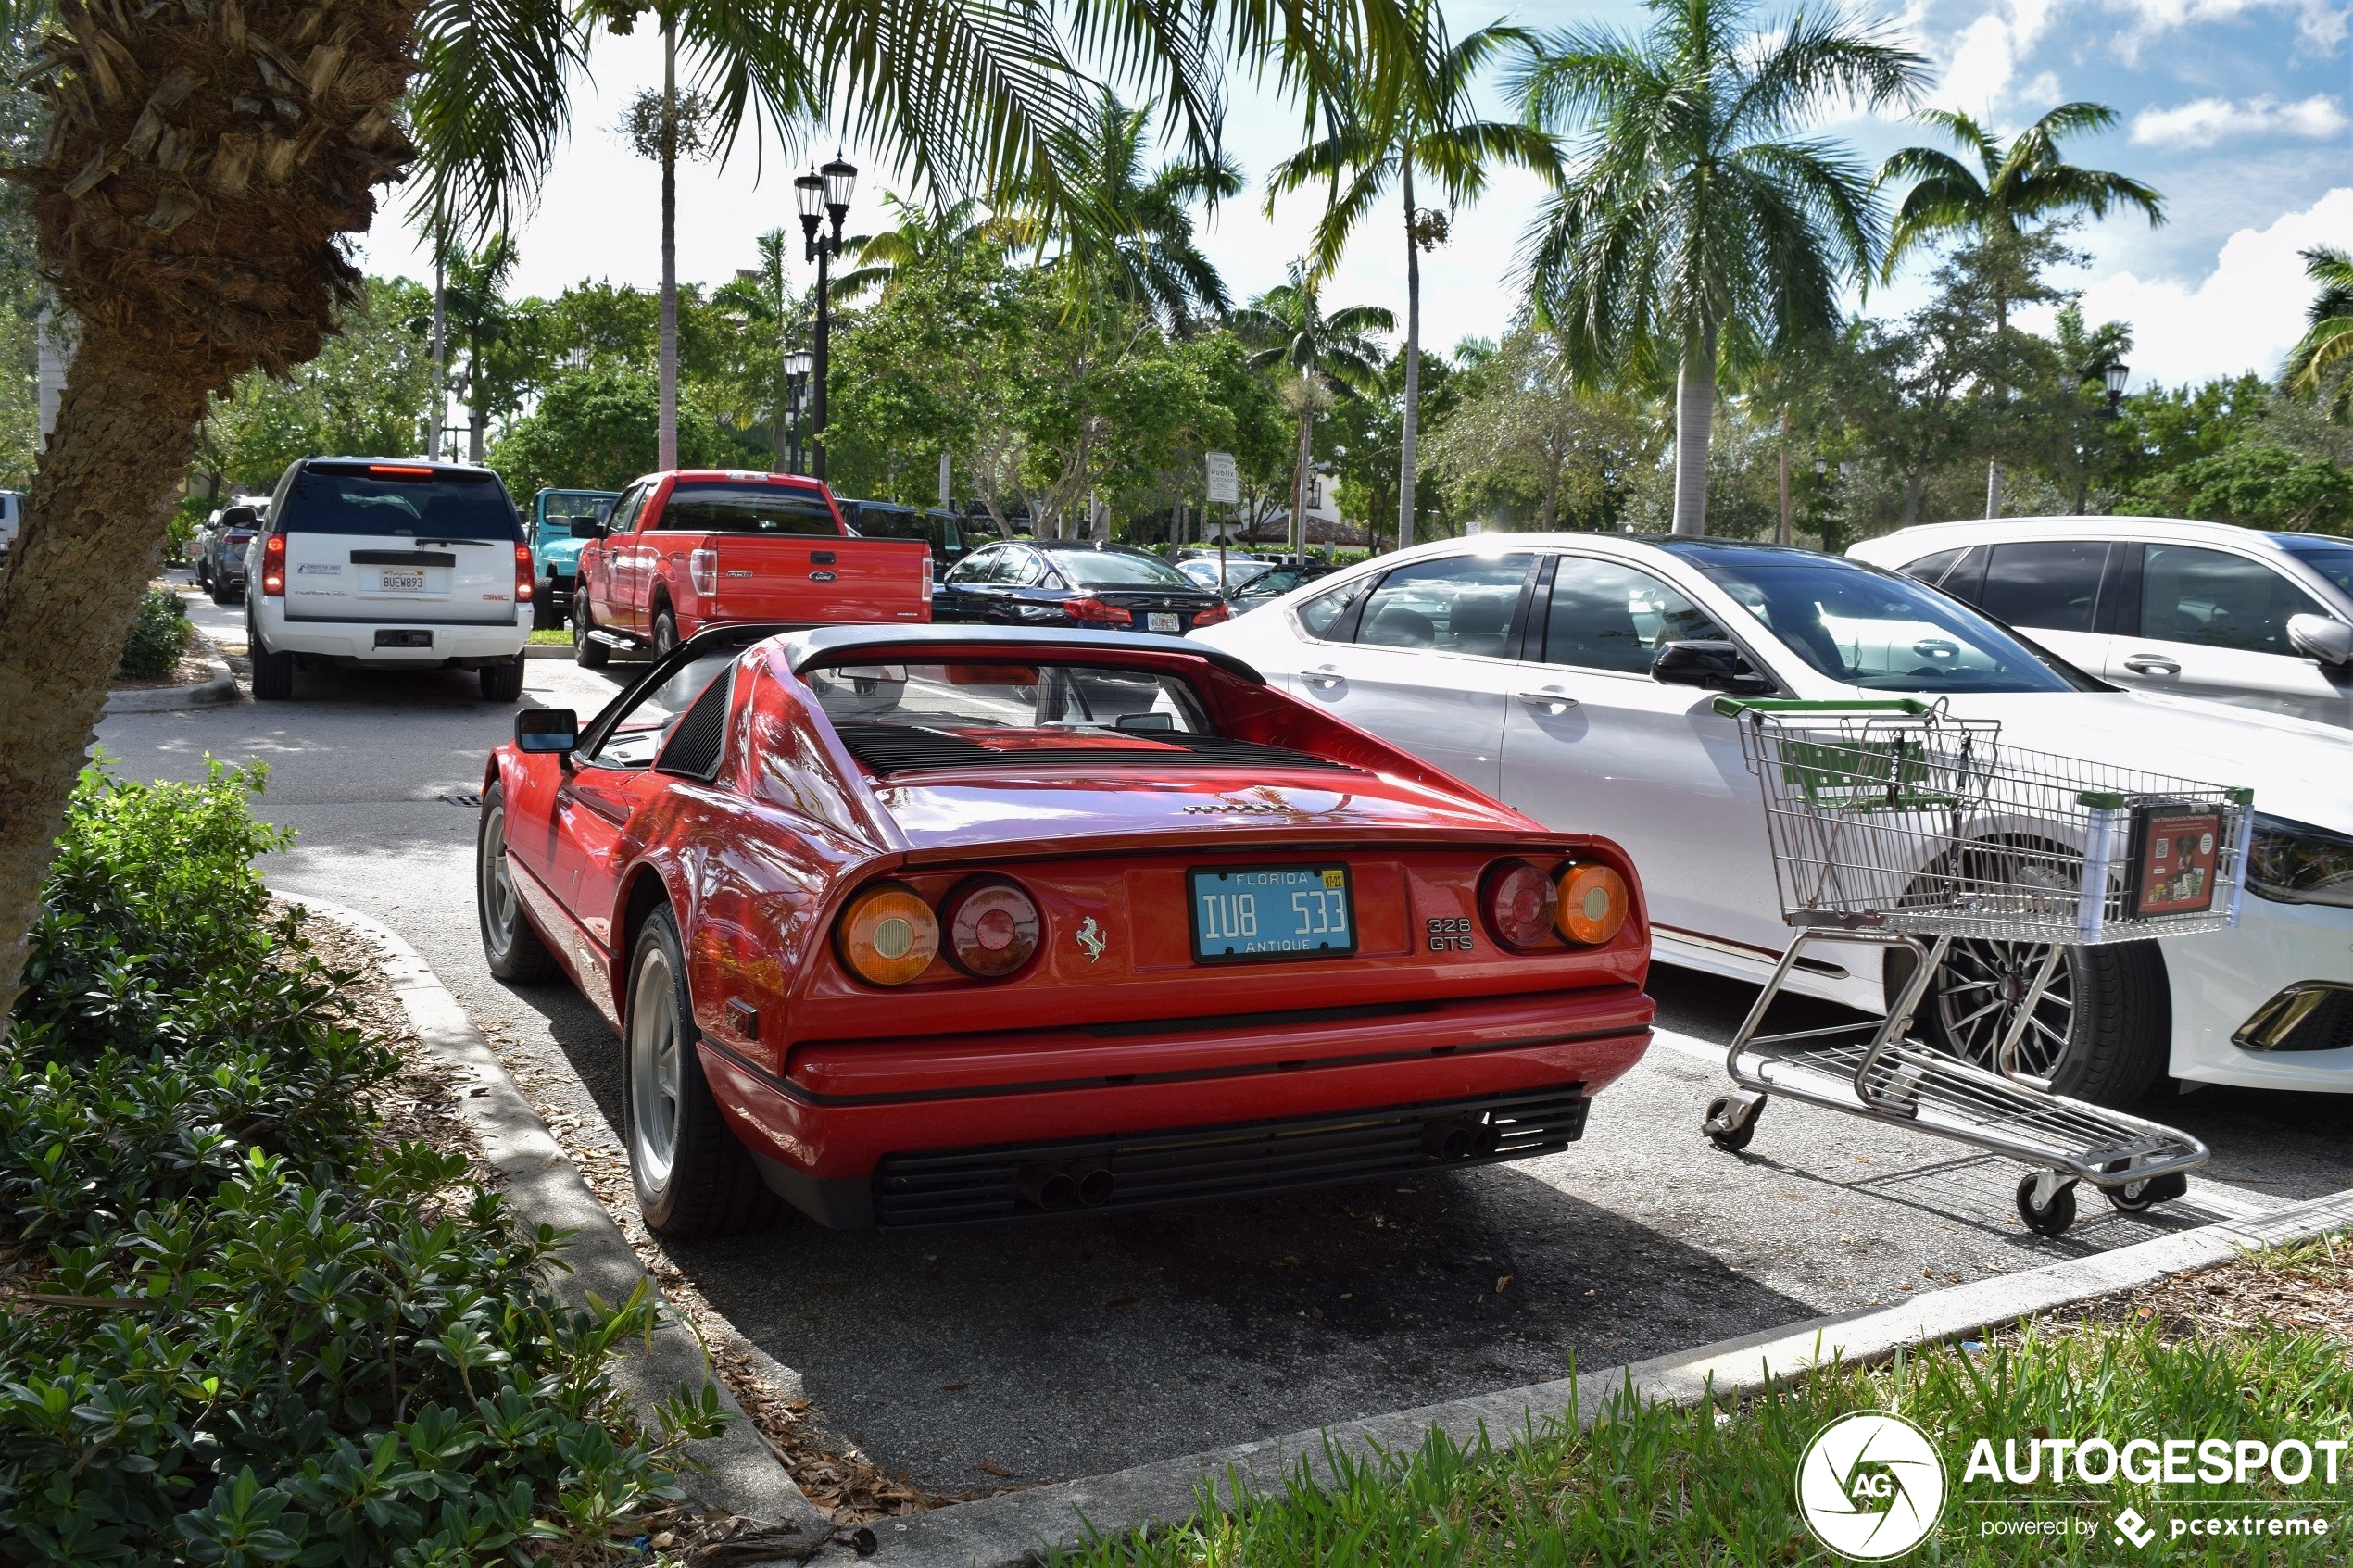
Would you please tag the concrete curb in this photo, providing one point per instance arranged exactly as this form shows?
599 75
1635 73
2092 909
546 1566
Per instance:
547 651
1012 1529
739 1474
221 688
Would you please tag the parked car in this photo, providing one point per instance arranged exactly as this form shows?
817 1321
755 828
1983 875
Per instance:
1074 583
1256 593
224 566
941 530
384 563
554 547
11 519
1051 921
1221 577
1571 676
702 546
2205 609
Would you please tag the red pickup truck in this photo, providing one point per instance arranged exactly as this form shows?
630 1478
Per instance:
688 550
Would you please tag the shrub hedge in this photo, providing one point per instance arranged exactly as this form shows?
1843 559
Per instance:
242 1329
158 638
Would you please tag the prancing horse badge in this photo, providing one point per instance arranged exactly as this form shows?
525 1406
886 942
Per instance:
1091 936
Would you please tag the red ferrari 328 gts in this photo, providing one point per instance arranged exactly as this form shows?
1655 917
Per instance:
917 925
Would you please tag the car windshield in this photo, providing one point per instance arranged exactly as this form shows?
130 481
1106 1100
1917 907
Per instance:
2332 558
389 500
710 507
1014 705
1116 568
1873 628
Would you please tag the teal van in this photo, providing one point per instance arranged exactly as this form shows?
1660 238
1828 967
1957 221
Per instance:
555 553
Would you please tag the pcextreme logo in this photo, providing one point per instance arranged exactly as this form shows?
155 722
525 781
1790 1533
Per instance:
1871 1486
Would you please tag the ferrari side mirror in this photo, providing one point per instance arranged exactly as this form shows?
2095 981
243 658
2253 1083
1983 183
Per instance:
547 729
1713 666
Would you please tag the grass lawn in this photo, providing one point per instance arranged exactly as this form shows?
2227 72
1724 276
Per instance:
553 636
2260 1349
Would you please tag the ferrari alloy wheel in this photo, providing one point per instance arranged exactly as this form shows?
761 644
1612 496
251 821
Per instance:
2102 1031
692 1177
509 944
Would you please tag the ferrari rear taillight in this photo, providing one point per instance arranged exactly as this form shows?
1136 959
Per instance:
1592 903
1088 610
1518 901
274 566
887 935
522 574
703 566
1212 616
992 928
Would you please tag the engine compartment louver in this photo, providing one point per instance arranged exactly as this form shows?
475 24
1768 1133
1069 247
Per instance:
906 749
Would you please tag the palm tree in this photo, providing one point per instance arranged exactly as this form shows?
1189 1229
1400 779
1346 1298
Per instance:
921 238
476 312
2327 344
772 315
1327 356
2009 188
1381 132
1128 231
203 165
1700 228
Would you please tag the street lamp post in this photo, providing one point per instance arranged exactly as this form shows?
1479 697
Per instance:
824 194
796 381
2113 376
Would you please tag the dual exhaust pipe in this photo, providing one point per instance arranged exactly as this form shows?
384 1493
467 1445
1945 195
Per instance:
1083 1184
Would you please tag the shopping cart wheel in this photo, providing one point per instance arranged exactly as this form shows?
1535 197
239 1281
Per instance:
2046 1212
1732 1121
2133 1197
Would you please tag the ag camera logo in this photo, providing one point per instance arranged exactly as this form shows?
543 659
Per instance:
1871 1486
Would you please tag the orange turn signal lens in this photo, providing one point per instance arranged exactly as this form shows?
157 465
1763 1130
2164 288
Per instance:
1594 903
887 936
1518 901
992 929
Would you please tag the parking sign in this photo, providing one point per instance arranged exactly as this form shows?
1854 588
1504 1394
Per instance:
1225 485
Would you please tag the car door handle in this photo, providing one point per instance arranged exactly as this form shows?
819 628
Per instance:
1326 679
2152 664
1551 700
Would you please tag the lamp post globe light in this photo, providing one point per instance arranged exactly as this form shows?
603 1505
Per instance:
796 383
824 197
2113 375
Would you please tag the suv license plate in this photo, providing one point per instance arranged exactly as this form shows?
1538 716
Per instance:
389 637
404 581
1157 621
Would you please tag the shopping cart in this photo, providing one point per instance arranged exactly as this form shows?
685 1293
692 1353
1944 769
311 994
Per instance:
1896 824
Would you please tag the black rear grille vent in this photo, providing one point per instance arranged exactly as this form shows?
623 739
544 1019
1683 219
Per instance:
904 749
698 738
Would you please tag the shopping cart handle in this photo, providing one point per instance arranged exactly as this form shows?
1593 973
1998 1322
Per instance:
1734 707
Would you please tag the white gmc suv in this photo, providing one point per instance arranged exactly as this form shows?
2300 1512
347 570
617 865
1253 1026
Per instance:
385 563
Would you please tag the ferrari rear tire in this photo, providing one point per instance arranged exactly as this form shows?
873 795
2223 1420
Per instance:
693 1177
586 651
510 944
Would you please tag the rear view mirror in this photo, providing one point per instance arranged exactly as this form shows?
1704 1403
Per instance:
1713 666
587 528
547 729
2327 640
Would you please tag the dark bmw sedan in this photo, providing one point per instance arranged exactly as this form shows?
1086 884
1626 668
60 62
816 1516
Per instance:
1073 582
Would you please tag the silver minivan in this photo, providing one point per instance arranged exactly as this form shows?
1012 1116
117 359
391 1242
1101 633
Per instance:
2203 610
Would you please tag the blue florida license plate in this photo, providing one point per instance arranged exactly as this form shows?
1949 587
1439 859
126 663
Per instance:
1271 912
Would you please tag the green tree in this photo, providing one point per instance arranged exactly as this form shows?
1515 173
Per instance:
1380 130
2322 356
369 393
1129 233
484 323
1526 442
2255 484
1318 356
1700 228
597 429
2011 188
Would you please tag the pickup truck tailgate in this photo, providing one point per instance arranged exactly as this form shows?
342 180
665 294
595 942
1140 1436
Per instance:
830 581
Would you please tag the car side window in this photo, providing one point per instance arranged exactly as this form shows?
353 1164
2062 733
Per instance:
974 568
2051 585
635 737
1330 616
2217 599
1023 569
1605 616
624 511
1455 604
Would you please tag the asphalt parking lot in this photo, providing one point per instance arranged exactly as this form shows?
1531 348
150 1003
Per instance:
980 1357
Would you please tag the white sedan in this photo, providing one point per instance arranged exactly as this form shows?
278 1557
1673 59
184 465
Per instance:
1530 664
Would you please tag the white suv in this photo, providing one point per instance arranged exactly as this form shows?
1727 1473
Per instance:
385 563
2203 610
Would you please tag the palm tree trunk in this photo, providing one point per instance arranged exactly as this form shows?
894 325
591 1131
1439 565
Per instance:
1694 417
1780 529
1993 463
1412 365
666 426
1298 480
101 498
440 345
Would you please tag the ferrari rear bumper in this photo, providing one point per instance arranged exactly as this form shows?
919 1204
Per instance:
934 1132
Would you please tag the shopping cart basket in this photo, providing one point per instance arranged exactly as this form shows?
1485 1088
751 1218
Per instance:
1897 825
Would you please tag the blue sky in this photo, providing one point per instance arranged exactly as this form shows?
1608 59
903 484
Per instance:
2237 110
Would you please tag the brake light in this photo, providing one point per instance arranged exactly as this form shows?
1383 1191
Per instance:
887 936
703 566
1592 903
992 929
1090 611
1212 615
1518 901
409 470
274 566
522 574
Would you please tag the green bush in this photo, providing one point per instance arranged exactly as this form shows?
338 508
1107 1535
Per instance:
158 638
262 1334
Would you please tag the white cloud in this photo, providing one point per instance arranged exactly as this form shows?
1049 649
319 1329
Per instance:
2201 123
1981 69
2245 315
2318 23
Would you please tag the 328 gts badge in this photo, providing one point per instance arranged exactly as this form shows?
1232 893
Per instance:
1449 934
